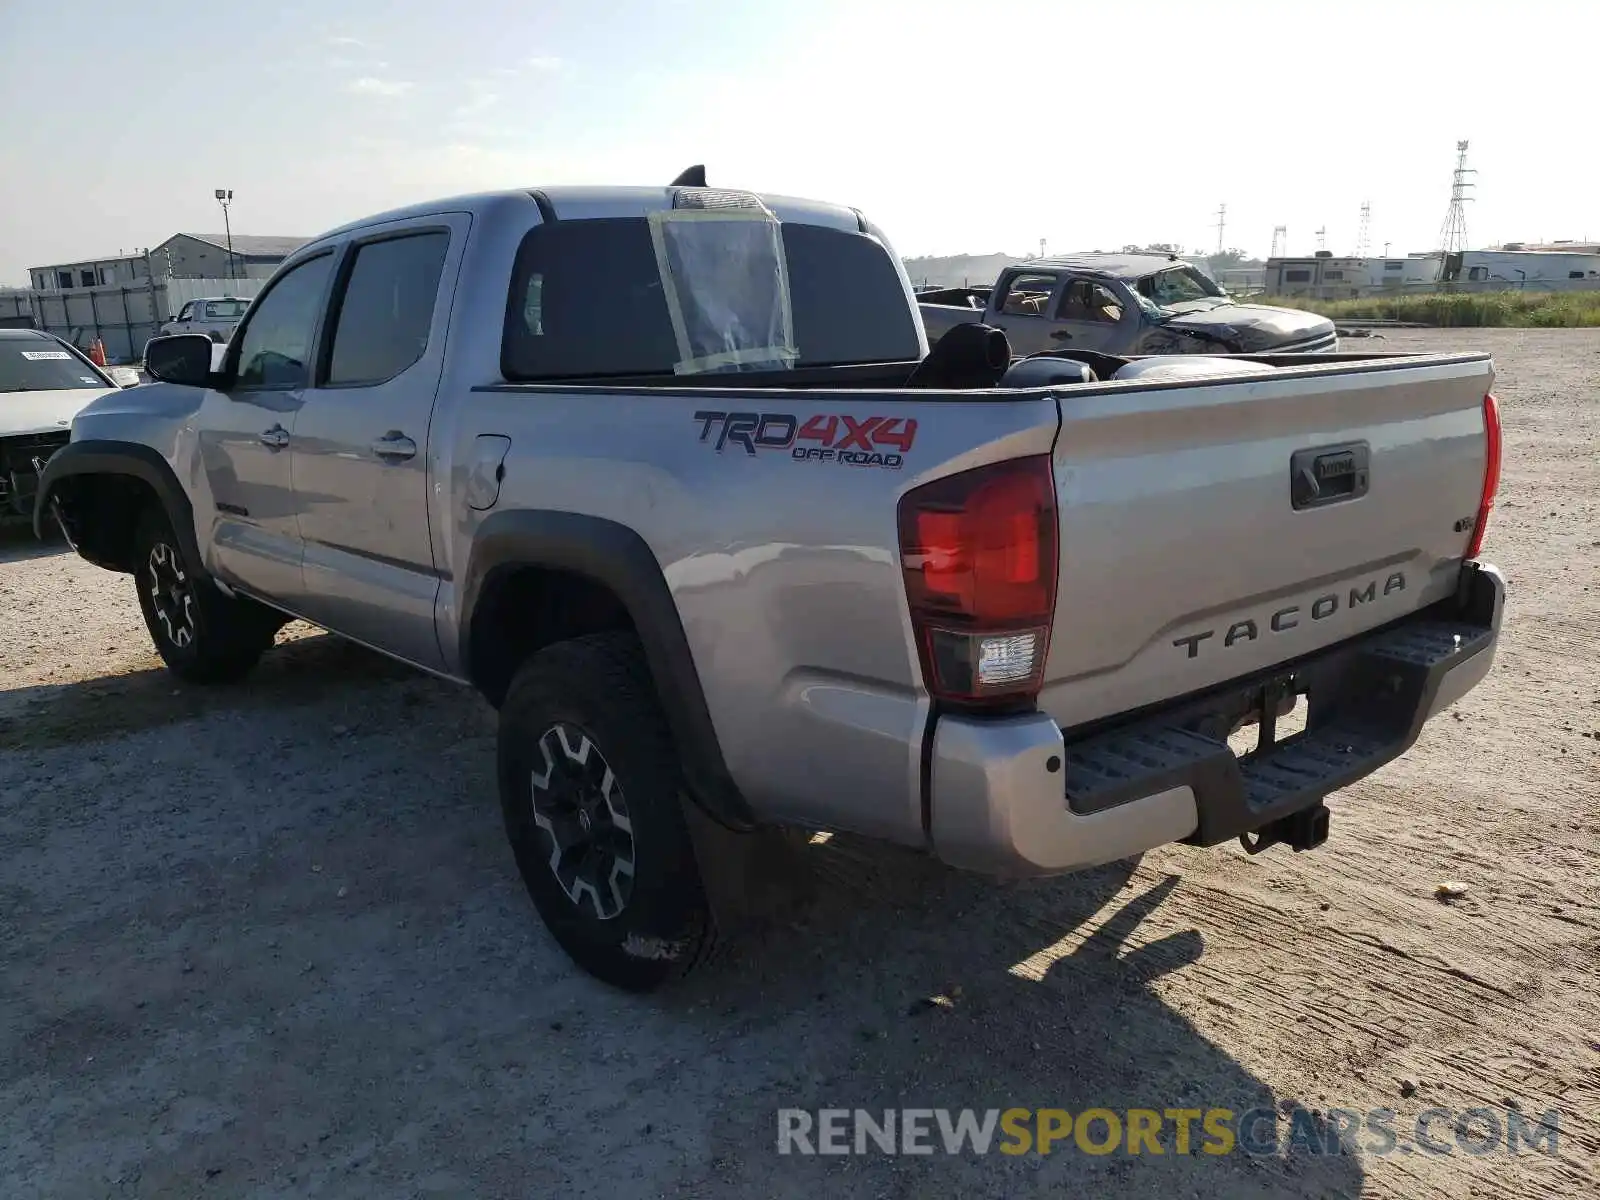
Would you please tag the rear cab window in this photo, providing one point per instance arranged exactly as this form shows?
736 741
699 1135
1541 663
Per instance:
588 301
225 310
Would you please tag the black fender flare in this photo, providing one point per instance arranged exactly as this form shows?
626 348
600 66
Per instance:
615 557
105 457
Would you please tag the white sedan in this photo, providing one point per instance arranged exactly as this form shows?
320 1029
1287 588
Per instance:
44 383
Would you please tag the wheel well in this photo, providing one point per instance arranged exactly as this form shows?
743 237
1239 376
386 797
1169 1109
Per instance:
523 609
102 512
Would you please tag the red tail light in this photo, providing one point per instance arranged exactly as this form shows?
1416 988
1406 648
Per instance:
979 553
1491 473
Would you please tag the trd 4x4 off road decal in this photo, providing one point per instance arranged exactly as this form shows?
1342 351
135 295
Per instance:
838 438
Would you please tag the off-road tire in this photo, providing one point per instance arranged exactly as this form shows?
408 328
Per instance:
587 708
202 635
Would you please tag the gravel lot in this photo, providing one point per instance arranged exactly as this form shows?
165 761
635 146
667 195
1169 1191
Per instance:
268 941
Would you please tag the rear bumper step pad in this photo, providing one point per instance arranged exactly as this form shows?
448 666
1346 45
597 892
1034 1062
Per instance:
1368 700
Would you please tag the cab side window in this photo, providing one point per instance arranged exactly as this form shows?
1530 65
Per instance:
1028 295
1085 300
275 347
381 323
187 312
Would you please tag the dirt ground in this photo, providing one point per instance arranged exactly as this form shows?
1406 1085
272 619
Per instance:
269 941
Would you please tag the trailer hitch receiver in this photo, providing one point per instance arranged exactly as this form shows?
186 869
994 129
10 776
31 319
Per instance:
1304 830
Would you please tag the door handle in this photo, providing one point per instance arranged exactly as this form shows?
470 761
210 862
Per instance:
394 446
275 438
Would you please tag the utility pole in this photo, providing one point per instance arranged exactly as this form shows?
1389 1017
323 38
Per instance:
1222 224
225 197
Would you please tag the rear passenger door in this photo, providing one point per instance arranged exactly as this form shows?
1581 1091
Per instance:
361 460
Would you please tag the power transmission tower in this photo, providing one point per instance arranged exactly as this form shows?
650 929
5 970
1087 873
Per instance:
1280 241
1362 238
1322 238
1222 224
1453 233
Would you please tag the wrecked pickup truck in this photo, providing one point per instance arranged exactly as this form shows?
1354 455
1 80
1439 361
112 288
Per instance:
1123 304
669 476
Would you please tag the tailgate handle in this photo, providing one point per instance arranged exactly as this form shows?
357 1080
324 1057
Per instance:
1324 475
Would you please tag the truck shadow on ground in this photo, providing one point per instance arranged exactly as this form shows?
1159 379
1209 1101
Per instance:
932 988
273 934
144 695
17 543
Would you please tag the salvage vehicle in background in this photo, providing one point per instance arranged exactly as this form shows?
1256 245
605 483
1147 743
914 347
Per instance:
44 381
1123 304
215 316
669 476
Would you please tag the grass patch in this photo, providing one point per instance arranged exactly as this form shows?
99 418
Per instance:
1524 310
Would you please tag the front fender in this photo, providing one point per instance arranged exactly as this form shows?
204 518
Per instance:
95 457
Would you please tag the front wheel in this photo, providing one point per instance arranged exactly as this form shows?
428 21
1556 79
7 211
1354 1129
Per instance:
590 790
202 635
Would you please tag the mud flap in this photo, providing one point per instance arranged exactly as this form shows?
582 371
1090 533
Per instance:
752 880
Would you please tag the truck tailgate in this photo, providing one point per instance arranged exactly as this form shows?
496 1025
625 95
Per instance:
1214 529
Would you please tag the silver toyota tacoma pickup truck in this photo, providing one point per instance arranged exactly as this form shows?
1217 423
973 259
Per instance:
670 476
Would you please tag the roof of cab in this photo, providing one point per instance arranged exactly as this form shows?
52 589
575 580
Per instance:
571 203
1114 266
6 334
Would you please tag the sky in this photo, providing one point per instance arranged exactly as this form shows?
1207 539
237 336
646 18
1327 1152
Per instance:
958 127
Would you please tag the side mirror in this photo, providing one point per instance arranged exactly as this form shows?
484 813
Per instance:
181 358
124 377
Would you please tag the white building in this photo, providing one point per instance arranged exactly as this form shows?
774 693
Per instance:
207 255
181 256
122 270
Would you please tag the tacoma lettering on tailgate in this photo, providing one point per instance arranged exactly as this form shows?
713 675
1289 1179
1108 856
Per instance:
1288 617
837 438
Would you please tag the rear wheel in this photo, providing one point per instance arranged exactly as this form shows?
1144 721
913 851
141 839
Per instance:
590 790
202 635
